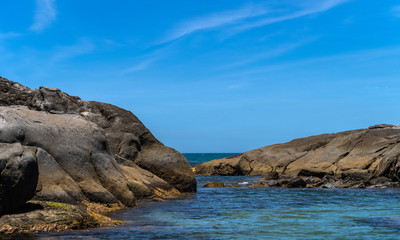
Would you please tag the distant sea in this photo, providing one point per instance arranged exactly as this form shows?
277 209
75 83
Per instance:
254 213
197 158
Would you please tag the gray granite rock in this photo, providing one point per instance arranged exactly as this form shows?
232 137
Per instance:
89 150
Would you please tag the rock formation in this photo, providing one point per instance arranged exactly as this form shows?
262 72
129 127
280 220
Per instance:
347 159
18 175
86 150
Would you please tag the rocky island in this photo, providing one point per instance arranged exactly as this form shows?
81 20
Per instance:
72 159
358 158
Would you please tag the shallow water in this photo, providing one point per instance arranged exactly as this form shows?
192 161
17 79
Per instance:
255 213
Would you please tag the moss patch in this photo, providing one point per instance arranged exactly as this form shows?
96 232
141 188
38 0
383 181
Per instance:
56 205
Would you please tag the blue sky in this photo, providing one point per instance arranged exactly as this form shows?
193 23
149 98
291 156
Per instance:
215 76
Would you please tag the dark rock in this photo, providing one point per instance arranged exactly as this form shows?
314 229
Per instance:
18 176
296 182
275 183
271 176
381 126
379 180
312 180
307 173
357 175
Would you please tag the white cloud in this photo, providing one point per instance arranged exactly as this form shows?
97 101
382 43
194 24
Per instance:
214 20
45 14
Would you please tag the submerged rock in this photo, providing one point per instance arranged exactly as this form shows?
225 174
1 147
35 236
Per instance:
214 184
352 159
220 184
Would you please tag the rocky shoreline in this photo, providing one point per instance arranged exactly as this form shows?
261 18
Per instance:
68 157
351 159
64 161
43 216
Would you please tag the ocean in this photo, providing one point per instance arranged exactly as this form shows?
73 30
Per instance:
254 213
196 158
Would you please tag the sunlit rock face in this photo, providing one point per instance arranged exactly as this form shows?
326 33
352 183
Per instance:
369 156
89 150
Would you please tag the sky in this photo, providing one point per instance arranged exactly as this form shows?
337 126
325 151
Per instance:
215 76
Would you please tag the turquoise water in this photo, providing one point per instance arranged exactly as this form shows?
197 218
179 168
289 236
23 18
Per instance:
256 213
196 158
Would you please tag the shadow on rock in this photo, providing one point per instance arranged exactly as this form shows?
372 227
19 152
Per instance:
28 207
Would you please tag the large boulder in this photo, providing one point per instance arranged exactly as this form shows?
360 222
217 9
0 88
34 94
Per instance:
18 175
78 145
89 150
359 155
153 159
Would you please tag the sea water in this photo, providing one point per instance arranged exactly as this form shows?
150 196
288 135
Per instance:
255 213
196 158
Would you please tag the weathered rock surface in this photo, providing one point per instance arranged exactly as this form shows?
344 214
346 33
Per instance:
41 216
345 159
18 175
89 150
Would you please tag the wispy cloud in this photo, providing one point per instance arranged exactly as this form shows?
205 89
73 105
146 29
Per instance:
214 20
147 60
82 47
356 58
396 11
249 17
45 14
313 8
